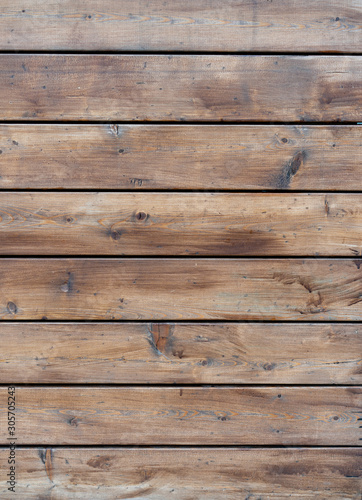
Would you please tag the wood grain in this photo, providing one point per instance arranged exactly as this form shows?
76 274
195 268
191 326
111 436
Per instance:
229 25
202 473
180 224
177 289
106 98
186 416
166 353
138 157
180 88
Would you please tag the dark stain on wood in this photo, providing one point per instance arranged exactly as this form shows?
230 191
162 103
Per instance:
290 169
358 263
102 462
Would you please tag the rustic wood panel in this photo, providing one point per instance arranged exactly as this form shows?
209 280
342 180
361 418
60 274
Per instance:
166 353
180 88
180 224
227 25
176 289
308 157
186 415
203 473
148 62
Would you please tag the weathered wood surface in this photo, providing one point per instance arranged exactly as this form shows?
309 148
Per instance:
227 25
308 157
180 224
203 473
186 415
180 88
119 93
166 353
177 289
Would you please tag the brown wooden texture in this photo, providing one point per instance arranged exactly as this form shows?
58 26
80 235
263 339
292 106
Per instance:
243 157
166 353
204 473
186 415
180 224
177 289
116 101
180 88
202 25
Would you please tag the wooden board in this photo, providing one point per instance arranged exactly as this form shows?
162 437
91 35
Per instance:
203 473
180 224
139 157
283 25
186 415
178 289
166 353
180 88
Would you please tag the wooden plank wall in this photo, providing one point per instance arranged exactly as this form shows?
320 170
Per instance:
181 249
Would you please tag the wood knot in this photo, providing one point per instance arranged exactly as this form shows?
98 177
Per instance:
141 216
159 337
101 461
73 421
269 366
12 308
116 235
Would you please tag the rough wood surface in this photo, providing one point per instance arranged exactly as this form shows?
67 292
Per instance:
138 157
227 25
177 289
180 224
204 473
175 95
180 88
166 353
186 415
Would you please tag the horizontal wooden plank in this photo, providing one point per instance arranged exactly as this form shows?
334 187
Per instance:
185 473
180 224
180 88
227 25
166 353
309 157
177 289
185 415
